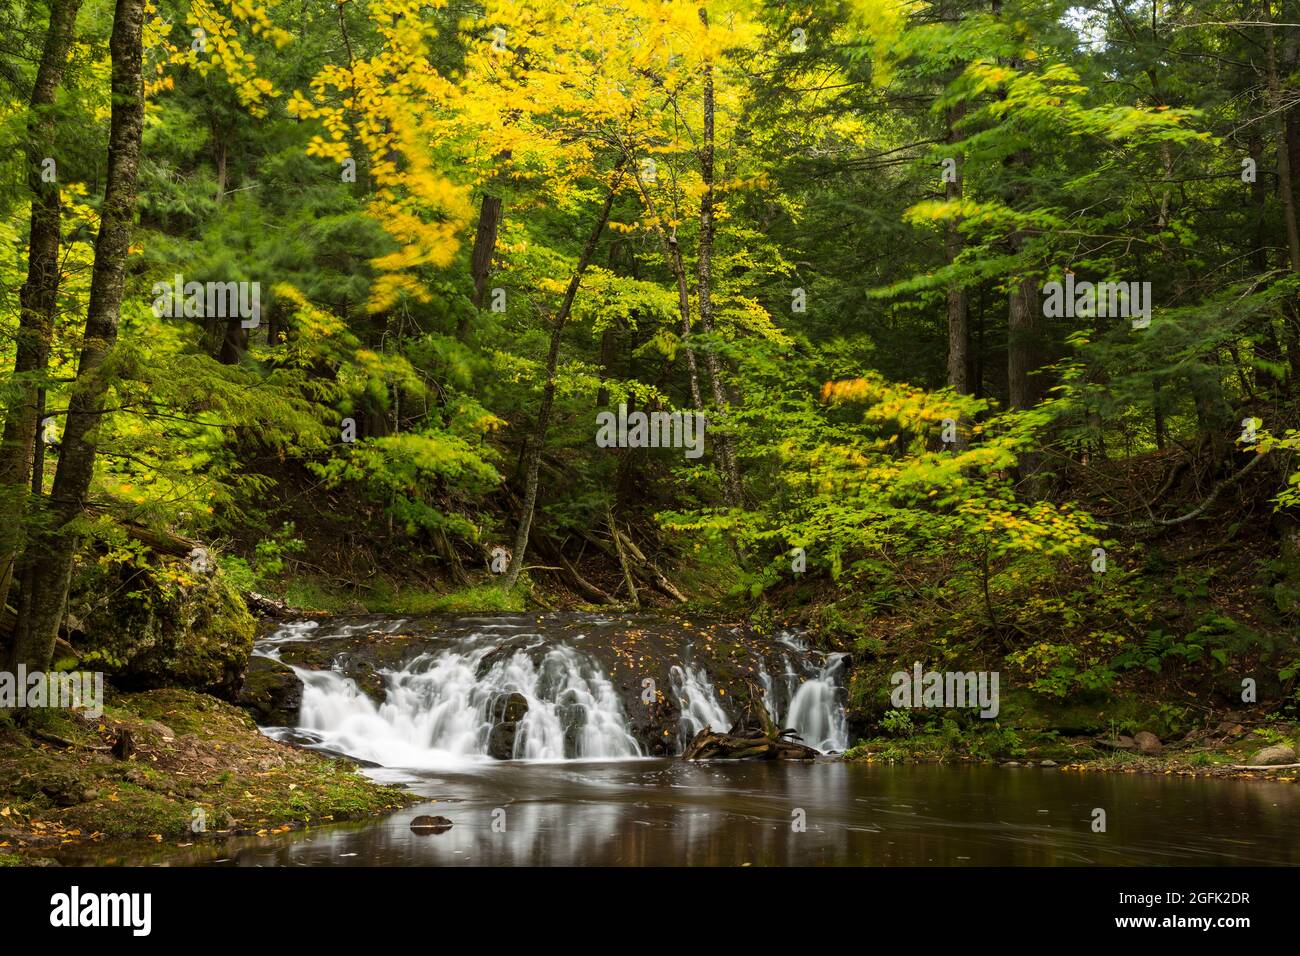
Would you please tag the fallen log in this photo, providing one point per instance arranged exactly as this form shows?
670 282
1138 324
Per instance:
617 537
646 571
267 607
709 745
546 544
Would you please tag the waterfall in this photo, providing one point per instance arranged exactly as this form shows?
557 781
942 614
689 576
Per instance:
496 688
815 710
449 706
698 700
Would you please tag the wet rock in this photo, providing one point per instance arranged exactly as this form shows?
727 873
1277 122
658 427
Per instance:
506 711
272 693
1273 756
1147 742
424 825
509 708
365 674
1048 763
501 741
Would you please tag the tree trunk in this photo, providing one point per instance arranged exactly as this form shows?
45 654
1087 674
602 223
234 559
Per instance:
958 301
537 441
49 555
485 243
1285 186
673 254
1022 333
38 298
726 448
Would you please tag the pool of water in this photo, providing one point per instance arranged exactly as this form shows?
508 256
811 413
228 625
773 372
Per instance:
662 812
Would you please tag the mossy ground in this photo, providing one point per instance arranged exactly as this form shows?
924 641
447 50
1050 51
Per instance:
1222 751
197 758
396 596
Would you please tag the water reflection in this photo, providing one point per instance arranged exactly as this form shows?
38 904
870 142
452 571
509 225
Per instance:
669 813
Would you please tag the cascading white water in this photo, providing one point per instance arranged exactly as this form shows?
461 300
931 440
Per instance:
815 710
441 707
698 700
504 691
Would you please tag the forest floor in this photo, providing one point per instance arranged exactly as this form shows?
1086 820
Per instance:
197 763
1223 752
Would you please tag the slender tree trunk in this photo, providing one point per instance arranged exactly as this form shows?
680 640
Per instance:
39 296
537 440
1285 184
1158 413
491 209
1022 334
485 243
673 254
726 447
958 300
1286 189
50 553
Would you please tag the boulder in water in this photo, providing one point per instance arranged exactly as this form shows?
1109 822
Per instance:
507 711
424 825
501 741
510 709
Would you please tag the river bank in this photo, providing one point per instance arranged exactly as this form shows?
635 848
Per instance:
162 765
189 758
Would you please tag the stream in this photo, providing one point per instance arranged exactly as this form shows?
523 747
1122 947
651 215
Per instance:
551 740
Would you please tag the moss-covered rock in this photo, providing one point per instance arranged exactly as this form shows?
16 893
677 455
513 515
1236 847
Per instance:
160 625
272 693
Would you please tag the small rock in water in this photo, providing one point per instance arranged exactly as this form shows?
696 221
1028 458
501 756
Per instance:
1012 763
424 825
1048 763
